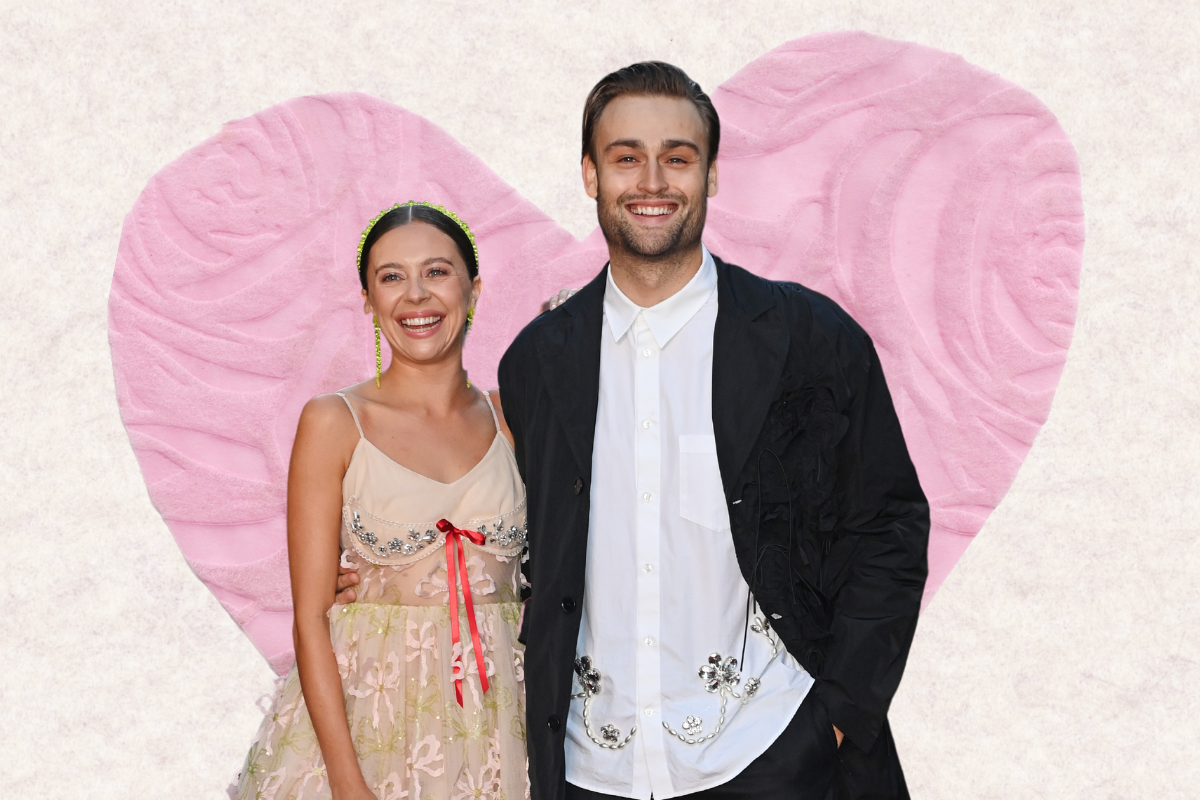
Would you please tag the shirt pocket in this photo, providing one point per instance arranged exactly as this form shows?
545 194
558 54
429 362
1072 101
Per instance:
701 496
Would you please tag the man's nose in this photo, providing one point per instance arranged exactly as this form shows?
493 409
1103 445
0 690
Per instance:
653 179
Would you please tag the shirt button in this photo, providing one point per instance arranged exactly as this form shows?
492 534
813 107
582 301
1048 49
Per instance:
648 567
645 423
649 712
649 641
646 496
646 352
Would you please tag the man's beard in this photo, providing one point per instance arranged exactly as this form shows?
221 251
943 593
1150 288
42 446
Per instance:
681 235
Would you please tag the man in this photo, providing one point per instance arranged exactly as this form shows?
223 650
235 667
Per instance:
715 472
726 535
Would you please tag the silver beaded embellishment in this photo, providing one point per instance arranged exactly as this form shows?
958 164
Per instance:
589 680
367 537
409 540
506 538
721 676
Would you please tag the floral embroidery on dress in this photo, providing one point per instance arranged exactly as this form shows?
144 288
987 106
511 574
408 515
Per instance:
422 645
380 679
487 785
317 774
519 664
347 658
456 658
391 788
435 584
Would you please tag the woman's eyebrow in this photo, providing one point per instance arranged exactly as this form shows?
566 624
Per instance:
425 263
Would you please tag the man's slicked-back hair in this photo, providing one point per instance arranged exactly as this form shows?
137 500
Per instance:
653 78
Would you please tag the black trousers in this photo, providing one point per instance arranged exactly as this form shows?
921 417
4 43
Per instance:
802 764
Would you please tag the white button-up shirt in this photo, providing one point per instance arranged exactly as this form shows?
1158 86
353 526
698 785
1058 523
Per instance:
663 589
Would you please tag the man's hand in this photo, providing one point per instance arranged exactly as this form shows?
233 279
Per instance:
836 732
348 578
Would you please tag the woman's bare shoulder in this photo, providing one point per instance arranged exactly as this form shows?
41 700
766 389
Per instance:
326 420
494 395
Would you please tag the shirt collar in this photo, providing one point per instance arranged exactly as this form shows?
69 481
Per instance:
668 317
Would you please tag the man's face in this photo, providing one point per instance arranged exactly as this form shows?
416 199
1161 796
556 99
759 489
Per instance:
651 178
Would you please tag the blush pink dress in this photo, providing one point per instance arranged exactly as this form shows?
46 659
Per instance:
394 646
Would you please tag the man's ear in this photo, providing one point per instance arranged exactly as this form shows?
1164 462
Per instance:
591 179
712 179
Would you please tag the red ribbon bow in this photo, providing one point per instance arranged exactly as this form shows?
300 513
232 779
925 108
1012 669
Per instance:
454 545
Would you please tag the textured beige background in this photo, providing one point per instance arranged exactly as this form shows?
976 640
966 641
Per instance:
1061 658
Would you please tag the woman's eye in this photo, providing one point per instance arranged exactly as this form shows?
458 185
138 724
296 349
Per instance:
391 276
438 271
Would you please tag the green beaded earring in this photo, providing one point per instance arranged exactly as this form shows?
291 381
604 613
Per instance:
378 352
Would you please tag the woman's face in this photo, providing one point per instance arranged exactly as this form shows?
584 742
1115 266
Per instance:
420 290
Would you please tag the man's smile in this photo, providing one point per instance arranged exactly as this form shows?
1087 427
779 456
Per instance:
652 209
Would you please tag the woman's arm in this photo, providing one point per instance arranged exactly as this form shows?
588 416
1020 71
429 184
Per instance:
324 442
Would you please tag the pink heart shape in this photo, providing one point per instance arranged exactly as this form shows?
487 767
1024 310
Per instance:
938 203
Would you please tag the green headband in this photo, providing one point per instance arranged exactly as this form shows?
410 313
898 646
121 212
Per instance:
363 239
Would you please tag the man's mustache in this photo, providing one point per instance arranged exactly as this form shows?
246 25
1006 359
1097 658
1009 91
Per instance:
634 198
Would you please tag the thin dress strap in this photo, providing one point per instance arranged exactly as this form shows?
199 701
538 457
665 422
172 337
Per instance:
495 419
353 414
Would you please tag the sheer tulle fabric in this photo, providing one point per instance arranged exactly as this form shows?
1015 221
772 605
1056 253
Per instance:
412 739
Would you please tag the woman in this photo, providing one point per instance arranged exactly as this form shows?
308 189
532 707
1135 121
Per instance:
416 689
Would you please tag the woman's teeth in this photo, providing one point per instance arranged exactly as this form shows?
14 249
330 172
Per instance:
651 211
420 324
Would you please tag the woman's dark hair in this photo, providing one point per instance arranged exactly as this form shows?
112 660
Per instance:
654 78
399 217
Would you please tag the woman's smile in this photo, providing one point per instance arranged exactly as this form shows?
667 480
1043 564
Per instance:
421 325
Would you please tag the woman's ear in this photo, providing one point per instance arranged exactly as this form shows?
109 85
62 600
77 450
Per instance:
367 307
476 290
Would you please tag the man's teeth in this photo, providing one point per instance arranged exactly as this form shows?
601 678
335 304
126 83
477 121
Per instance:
420 322
651 211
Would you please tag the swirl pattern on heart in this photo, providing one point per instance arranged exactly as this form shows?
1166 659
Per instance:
937 202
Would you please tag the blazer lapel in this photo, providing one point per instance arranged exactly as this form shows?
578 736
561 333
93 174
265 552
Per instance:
569 353
750 348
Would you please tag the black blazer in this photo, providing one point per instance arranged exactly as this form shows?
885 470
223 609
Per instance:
828 520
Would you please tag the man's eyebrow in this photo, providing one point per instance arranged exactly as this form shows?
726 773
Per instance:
668 144
671 144
636 144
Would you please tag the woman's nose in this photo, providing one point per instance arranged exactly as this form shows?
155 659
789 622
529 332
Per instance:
416 290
